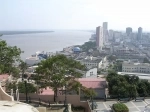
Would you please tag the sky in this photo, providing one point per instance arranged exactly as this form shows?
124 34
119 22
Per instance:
74 14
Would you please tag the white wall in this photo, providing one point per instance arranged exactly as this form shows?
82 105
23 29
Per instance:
92 73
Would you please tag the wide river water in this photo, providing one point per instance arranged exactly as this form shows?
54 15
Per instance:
49 42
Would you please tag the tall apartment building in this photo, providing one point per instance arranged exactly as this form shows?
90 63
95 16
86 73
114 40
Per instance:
139 35
111 34
99 38
128 31
105 32
105 25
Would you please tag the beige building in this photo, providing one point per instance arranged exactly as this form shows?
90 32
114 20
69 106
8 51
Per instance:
136 67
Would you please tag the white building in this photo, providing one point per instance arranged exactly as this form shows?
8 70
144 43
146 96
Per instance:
91 62
136 67
99 38
32 61
91 73
111 34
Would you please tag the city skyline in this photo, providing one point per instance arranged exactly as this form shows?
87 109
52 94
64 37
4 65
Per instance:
74 14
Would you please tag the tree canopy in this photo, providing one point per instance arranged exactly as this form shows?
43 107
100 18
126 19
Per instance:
8 56
21 87
127 86
57 70
88 45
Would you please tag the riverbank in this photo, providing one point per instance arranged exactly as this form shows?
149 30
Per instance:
22 32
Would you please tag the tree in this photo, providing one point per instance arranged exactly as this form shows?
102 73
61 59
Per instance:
88 92
145 60
55 70
111 58
23 67
21 87
88 45
9 55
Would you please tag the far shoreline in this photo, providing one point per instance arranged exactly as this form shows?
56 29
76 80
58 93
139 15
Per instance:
22 32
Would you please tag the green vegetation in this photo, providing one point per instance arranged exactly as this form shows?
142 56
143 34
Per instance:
88 93
57 71
111 58
145 60
21 87
78 108
120 107
127 86
88 45
8 56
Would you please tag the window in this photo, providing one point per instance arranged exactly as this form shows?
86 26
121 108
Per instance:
91 73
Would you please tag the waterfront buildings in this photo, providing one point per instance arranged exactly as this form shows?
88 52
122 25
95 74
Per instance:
139 35
99 38
128 31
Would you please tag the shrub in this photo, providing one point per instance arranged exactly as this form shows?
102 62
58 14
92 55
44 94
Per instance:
120 107
77 108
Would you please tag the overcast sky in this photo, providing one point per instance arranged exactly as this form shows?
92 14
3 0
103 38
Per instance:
74 14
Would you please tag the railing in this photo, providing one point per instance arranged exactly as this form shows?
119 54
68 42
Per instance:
39 101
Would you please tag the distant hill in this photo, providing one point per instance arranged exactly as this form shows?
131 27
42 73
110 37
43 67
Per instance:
21 32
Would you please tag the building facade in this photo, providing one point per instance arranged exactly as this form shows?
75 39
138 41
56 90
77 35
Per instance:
128 31
136 67
91 73
99 38
139 35
105 25
105 32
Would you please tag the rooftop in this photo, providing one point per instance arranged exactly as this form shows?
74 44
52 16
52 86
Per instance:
93 82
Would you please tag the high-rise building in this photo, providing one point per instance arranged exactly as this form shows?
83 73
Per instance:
139 35
128 31
105 32
111 34
99 37
105 25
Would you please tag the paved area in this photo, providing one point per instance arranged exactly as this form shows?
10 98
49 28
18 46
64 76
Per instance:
134 106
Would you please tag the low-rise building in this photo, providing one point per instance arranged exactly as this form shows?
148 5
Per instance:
136 67
91 62
99 85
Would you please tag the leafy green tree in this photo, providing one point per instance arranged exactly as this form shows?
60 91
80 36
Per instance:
145 60
111 58
55 69
30 88
21 87
88 45
23 66
9 55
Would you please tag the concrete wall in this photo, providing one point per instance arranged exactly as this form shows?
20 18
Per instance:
5 96
72 99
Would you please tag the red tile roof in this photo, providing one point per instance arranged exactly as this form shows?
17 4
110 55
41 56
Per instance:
92 82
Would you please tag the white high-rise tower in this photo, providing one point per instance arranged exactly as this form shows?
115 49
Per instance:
99 38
